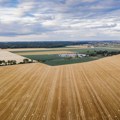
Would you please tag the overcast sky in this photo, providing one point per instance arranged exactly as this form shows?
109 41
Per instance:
59 20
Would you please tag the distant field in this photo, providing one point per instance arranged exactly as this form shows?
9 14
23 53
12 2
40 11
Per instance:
56 60
78 46
26 49
50 55
43 53
76 49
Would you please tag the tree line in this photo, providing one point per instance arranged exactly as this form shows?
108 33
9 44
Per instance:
14 62
103 53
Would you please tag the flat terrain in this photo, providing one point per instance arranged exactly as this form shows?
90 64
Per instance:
38 49
6 55
26 49
50 56
55 60
86 91
78 46
43 53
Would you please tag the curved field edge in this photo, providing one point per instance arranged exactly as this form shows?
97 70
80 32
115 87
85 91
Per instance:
55 60
51 56
86 91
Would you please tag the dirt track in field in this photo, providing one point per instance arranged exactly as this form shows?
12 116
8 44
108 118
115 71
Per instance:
87 91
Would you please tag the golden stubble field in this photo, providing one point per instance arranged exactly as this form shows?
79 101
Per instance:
44 53
86 91
6 55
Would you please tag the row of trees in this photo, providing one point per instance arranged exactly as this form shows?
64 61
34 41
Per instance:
40 44
103 53
14 62
9 62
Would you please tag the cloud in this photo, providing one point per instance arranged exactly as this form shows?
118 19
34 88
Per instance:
59 19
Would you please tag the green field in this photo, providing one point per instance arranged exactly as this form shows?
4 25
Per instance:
55 59
81 50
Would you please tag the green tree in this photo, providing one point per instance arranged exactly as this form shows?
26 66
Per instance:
26 60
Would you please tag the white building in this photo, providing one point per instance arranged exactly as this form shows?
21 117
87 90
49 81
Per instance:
73 55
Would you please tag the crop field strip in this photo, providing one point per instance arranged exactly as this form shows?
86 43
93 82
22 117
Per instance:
21 50
86 91
49 56
46 49
43 53
26 49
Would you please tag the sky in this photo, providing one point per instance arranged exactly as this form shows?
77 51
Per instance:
59 20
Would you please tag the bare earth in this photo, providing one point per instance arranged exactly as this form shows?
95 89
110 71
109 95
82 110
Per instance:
86 91
6 55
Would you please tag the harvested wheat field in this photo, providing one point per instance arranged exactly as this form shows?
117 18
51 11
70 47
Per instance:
47 49
26 49
86 91
44 53
6 55
78 46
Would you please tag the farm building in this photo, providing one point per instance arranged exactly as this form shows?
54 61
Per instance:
73 55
